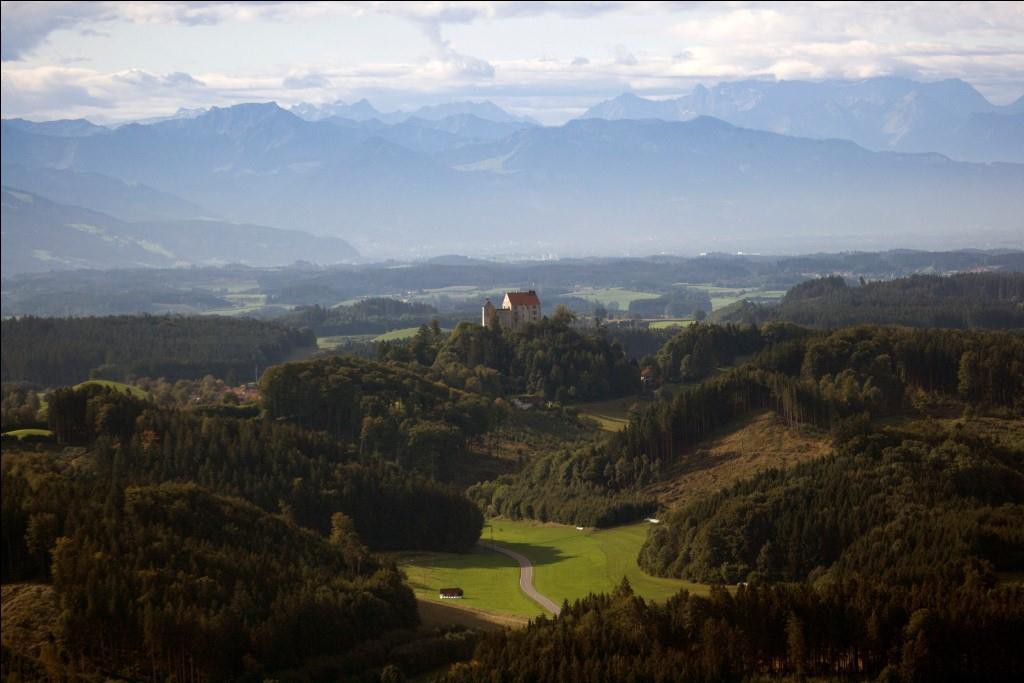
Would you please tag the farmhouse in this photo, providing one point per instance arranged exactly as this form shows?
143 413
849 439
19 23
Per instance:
451 593
518 310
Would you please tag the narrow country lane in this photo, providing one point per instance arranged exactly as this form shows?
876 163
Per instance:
525 577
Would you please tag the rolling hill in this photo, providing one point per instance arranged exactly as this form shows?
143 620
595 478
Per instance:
39 235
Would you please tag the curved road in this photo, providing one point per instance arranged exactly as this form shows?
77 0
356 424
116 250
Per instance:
525 577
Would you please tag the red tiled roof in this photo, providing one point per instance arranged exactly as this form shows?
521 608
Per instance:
523 298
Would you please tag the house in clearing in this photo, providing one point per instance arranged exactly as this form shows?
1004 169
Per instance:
518 310
451 593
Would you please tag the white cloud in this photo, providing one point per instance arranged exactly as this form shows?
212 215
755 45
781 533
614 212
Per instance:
672 46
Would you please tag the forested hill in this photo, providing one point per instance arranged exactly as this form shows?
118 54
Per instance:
805 377
61 351
197 547
969 300
550 359
368 316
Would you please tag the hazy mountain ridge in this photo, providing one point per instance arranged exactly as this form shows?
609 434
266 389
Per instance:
878 113
647 186
41 235
362 110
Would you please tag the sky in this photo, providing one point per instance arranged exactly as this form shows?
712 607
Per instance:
119 61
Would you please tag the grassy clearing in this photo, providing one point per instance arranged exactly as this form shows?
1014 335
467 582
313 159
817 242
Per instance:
724 296
569 564
743 449
134 392
25 433
610 295
401 334
490 580
672 323
396 335
331 343
611 415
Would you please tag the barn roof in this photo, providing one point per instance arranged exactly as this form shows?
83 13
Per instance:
523 298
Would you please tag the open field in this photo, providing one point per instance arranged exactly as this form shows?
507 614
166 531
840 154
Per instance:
570 564
26 433
671 323
400 334
612 415
134 392
490 580
435 613
724 296
743 449
610 295
331 343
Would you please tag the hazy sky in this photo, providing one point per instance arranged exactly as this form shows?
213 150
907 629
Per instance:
120 60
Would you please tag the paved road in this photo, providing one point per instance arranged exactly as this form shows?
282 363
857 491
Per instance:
525 577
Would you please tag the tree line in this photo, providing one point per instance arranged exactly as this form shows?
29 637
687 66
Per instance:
51 352
992 300
857 629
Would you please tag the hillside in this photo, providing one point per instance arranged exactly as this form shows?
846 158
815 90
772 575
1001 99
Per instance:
993 300
739 451
57 351
41 235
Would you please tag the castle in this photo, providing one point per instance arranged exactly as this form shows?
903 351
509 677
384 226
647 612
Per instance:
518 310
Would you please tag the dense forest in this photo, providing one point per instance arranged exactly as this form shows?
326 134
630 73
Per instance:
859 630
970 300
59 351
549 359
894 506
805 377
387 409
374 315
197 545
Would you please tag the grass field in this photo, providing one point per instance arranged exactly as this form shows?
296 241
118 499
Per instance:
397 335
331 343
25 433
612 415
134 392
609 295
724 296
669 324
490 580
569 564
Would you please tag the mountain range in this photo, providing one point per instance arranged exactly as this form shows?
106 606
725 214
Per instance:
888 114
362 110
449 181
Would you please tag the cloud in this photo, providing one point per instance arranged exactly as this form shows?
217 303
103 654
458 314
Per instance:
682 44
306 81
457 64
24 25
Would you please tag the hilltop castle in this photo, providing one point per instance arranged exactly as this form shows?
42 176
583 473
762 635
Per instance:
517 310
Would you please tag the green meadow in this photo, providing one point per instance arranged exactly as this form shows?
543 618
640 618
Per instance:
489 579
610 295
568 565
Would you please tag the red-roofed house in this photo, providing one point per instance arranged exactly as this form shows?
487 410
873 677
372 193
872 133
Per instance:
518 310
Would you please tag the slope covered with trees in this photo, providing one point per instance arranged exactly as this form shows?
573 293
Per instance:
60 351
992 300
853 630
549 359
